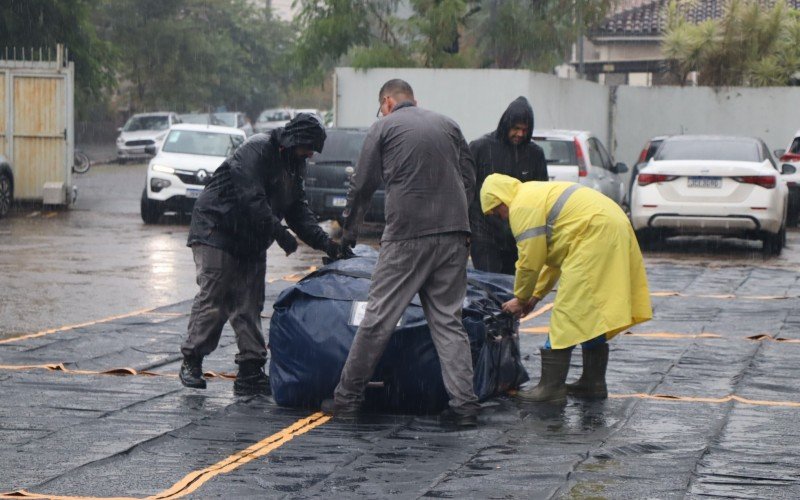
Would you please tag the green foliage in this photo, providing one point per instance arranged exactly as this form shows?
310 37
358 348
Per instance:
189 55
749 45
534 34
44 23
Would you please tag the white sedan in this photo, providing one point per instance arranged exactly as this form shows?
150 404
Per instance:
711 185
183 166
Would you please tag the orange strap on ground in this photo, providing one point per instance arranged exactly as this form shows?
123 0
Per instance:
723 296
60 367
194 480
689 399
294 278
537 312
72 327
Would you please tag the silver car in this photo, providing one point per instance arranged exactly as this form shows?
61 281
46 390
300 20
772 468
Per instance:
579 156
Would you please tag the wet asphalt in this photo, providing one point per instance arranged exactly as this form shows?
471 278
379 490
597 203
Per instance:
703 398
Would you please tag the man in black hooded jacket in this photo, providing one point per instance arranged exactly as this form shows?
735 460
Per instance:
507 150
236 218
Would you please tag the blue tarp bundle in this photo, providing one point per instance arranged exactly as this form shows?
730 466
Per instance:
315 320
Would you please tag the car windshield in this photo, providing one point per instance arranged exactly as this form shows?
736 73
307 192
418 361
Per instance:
709 149
274 115
557 151
201 143
137 123
341 145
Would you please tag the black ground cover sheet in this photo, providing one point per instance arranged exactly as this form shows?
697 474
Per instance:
703 403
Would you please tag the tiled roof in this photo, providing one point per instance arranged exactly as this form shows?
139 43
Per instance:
646 17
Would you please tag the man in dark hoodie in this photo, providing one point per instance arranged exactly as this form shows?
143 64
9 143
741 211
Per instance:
508 150
236 218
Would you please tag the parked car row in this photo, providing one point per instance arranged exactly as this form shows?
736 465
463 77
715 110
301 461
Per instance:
688 184
278 117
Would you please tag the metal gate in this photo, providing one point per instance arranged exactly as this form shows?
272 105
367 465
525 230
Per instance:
36 124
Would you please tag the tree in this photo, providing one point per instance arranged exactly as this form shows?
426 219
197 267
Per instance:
534 34
749 45
45 23
194 54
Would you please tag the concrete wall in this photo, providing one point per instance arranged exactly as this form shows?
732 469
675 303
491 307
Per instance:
476 98
623 117
641 113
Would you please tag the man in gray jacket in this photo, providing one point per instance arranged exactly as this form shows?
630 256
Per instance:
427 169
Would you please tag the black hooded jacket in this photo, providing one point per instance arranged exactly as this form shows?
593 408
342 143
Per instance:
241 208
495 154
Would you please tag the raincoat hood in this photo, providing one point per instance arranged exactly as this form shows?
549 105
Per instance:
519 111
303 130
497 189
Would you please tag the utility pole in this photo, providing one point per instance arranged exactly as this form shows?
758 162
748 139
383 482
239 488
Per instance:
579 21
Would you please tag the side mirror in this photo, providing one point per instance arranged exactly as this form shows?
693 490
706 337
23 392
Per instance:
788 169
778 152
151 150
620 168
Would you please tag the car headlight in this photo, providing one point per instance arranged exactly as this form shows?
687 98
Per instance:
120 140
162 168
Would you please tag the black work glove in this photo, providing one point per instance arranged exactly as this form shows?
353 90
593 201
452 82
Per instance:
286 241
348 242
336 251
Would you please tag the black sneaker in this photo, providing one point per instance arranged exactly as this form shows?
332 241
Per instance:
191 374
343 413
458 419
251 380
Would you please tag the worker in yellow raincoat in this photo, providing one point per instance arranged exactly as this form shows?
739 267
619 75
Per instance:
567 231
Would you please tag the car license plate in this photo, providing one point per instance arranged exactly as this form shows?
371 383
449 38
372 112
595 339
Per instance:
705 182
193 193
338 201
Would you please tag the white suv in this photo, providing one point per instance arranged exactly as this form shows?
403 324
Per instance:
183 166
142 130
579 156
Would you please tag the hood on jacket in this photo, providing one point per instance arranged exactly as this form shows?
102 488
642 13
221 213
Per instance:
302 130
497 189
519 111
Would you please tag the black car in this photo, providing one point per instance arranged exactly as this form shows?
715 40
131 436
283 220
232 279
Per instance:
6 186
648 152
328 176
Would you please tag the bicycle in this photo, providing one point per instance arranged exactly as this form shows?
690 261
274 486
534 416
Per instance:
81 162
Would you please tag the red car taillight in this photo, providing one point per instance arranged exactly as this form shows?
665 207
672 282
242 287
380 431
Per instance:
645 179
790 157
643 154
765 181
581 159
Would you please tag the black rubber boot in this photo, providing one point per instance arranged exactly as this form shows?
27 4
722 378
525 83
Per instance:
251 380
459 418
592 384
551 387
191 374
344 413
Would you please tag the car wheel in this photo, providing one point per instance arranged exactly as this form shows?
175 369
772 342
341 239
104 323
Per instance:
774 243
648 238
6 194
151 210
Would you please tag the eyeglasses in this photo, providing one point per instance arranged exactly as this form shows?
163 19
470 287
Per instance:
380 106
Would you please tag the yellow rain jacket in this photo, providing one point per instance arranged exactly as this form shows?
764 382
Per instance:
587 241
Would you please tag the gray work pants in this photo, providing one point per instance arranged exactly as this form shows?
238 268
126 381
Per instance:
230 289
436 268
